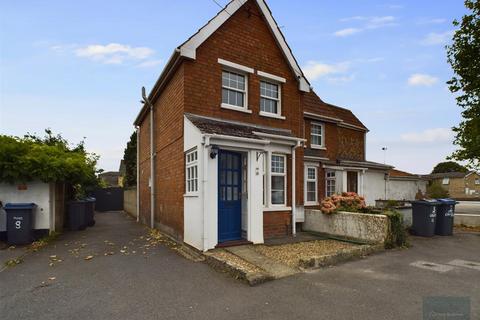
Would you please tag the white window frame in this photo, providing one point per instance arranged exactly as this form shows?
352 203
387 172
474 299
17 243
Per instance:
446 181
284 174
191 164
265 77
322 137
232 67
327 179
307 179
477 181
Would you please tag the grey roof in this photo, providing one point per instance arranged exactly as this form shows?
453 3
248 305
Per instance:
447 175
211 125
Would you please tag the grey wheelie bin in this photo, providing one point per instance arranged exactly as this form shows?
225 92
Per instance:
76 219
445 216
424 214
19 222
90 211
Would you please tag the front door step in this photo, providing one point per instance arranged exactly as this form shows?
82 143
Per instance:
275 269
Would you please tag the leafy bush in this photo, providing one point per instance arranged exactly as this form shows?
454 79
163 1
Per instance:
397 235
347 201
435 190
49 159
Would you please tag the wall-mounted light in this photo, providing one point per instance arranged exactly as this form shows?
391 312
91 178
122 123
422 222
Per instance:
213 152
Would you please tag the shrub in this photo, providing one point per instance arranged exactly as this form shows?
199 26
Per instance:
435 190
347 201
49 159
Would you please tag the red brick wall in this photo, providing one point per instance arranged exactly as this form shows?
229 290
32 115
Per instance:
169 165
277 224
247 40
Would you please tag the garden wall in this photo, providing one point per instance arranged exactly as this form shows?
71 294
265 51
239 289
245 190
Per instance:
361 226
130 201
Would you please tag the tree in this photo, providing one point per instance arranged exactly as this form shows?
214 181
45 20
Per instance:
130 161
449 166
464 57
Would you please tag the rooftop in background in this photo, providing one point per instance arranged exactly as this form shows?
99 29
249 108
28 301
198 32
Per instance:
449 175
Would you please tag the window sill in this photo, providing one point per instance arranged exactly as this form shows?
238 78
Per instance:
271 115
279 208
191 195
308 204
235 108
316 146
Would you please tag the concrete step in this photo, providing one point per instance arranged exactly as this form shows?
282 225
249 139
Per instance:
274 269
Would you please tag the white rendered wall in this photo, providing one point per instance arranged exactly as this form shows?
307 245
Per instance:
405 189
36 192
374 186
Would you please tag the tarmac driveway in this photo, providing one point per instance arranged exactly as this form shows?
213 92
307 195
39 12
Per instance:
160 284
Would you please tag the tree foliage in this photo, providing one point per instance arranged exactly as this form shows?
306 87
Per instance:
464 57
449 166
130 161
436 191
49 159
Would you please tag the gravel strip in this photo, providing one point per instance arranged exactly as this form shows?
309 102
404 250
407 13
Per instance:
290 254
235 261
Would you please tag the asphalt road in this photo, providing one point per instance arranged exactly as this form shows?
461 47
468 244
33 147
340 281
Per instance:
468 207
160 284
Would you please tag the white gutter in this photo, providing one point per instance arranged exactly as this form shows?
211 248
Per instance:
279 137
294 205
206 146
138 173
152 171
233 138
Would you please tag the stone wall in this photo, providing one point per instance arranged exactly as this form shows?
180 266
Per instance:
361 226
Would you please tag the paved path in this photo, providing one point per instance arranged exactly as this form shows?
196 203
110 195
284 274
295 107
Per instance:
164 285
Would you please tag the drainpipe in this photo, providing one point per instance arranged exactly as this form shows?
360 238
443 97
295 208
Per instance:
294 209
152 160
138 173
206 146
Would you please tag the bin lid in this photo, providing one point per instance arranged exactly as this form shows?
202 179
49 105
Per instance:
20 206
427 202
447 201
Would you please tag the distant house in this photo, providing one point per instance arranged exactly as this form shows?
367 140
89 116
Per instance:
458 184
111 178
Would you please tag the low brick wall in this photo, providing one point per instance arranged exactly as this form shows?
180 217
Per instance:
361 226
130 201
277 224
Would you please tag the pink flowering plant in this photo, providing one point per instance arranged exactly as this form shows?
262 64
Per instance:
347 201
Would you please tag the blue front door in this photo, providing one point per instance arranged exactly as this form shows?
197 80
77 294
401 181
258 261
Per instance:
229 196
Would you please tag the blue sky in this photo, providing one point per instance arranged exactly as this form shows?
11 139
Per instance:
78 66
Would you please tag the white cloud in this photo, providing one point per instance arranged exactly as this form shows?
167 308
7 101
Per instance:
315 70
420 79
368 23
428 136
150 63
113 53
346 32
434 38
341 79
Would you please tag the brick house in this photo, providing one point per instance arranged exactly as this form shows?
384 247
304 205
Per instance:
232 123
460 185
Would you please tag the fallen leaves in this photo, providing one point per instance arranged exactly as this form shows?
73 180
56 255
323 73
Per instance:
88 258
13 262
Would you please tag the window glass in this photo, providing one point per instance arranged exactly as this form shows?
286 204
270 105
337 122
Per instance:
278 184
330 183
233 89
191 172
311 184
269 97
316 134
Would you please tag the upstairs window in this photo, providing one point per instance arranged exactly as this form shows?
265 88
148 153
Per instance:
191 172
311 185
278 176
269 98
317 135
446 181
234 90
477 181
